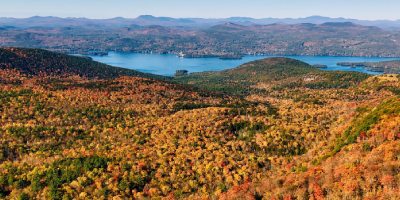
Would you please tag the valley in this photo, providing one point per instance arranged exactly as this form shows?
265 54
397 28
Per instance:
272 128
199 100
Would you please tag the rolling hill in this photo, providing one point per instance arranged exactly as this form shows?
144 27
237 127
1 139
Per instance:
274 128
279 73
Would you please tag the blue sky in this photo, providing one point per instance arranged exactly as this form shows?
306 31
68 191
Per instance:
359 9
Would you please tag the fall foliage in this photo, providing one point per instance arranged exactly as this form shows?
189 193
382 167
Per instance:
302 134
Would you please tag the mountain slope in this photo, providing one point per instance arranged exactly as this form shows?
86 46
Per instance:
46 63
357 160
128 136
67 137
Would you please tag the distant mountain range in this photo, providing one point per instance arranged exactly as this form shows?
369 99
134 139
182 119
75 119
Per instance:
147 20
226 40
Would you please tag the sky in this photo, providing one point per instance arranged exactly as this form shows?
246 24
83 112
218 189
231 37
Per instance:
101 9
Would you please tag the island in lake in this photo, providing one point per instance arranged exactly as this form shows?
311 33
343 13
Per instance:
387 67
320 66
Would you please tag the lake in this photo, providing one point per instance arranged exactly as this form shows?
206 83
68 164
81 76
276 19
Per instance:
162 64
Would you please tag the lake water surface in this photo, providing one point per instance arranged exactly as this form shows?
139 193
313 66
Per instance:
168 64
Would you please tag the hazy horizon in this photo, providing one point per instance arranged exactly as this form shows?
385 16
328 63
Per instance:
105 9
44 16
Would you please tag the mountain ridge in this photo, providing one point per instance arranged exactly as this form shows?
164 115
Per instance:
190 22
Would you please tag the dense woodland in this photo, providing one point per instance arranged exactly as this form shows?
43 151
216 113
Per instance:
271 129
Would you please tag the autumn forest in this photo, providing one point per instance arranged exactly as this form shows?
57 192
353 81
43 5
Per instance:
278 128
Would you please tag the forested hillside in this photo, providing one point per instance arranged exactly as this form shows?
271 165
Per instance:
273 129
39 62
274 74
